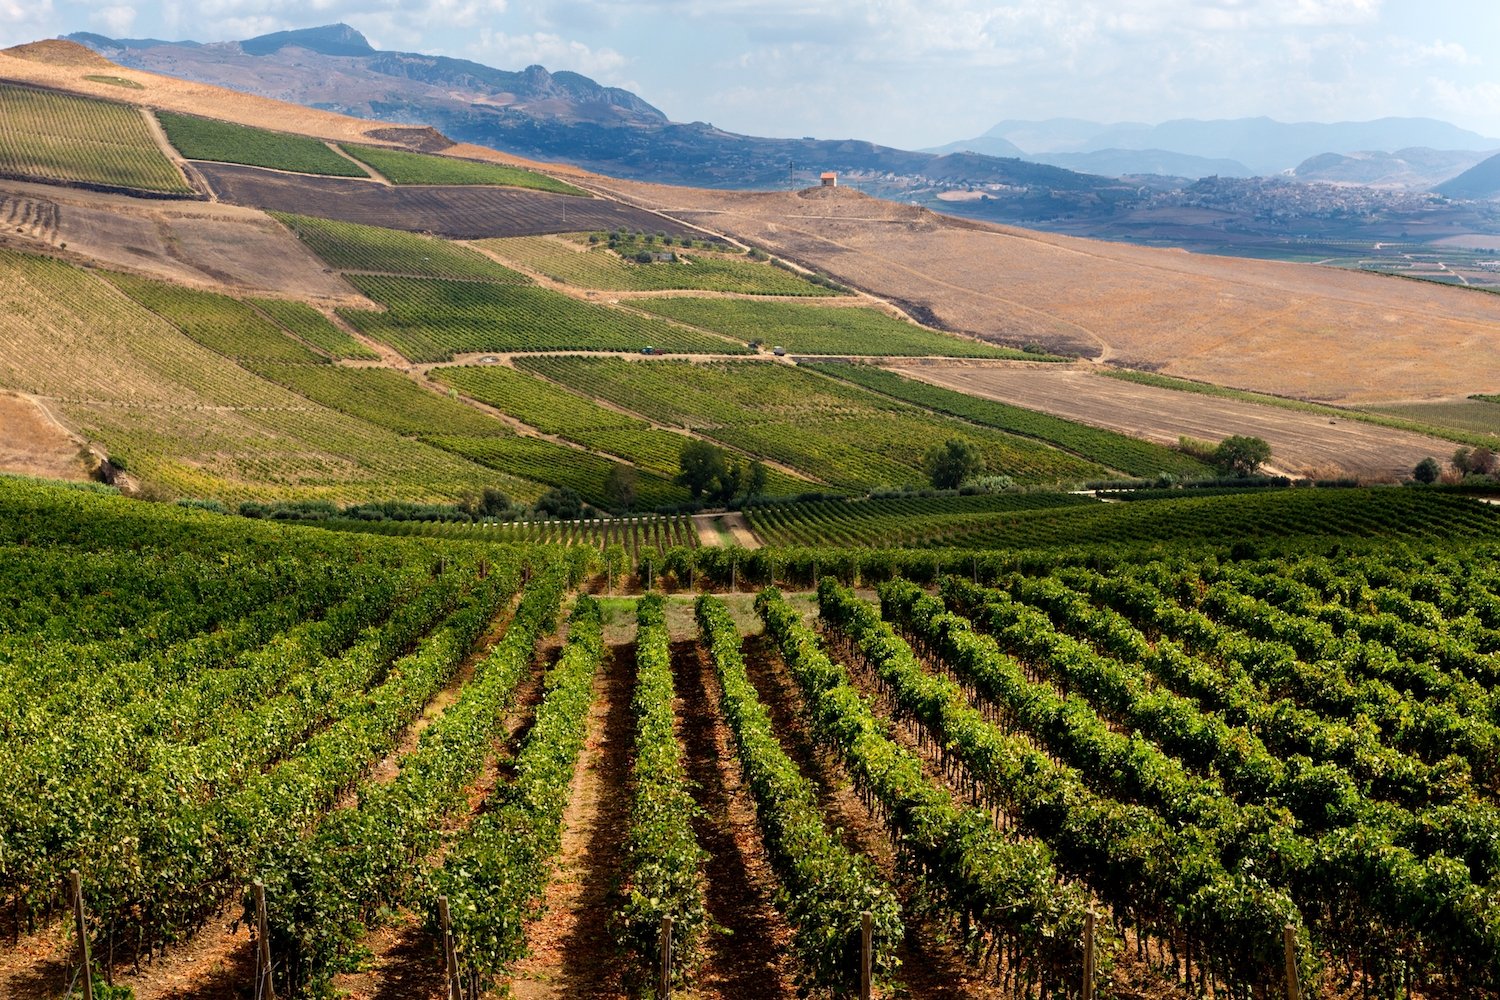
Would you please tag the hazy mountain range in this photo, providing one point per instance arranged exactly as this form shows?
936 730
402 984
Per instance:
567 116
1400 152
540 114
1122 181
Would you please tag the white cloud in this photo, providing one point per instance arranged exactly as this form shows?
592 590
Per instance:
544 48
1409 53
116 20
20 13
912 72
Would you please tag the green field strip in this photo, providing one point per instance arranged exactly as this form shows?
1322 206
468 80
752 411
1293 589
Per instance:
224 142
559 465
313 328
824 429
402 167
218 322
808 329
61 138
602 268
385 397
348 246
432 320
1116 451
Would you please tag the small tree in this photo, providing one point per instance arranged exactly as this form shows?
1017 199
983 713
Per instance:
561 503
702 467
1481 461
1427 470
622 487
950 464
1241 455
494 502
755 479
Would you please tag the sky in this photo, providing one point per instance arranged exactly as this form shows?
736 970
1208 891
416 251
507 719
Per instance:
912 73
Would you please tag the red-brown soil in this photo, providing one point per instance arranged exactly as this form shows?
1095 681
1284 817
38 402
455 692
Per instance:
572 952
749 957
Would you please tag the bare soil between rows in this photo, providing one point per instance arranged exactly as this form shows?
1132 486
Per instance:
748 954
572 952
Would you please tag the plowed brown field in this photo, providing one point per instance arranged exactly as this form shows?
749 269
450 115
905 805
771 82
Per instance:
465 213
1302 443
223 247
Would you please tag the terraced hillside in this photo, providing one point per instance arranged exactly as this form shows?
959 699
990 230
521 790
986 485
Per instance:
390 297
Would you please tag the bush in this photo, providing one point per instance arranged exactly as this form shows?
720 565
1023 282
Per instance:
561 503
1241 455
951 464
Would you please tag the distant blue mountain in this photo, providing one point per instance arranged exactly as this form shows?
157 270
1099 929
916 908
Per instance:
1479 183
1260 146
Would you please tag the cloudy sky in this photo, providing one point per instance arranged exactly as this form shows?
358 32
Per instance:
912 72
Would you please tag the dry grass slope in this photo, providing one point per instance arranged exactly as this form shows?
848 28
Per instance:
1292 329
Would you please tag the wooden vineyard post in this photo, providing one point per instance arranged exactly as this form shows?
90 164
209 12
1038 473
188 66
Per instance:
1088 955
734 579
264 988
450 955
75 888
1289 940
866 953
664 984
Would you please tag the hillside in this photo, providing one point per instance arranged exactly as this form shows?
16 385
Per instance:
1417 168
1481 181
1263 146
373 361
1287 329
453 577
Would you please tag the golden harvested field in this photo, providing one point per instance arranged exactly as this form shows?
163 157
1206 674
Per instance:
1301 443
223 247
1291 329
36 445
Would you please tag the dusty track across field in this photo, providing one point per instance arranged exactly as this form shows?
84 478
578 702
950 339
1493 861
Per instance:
1301 443
35 444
